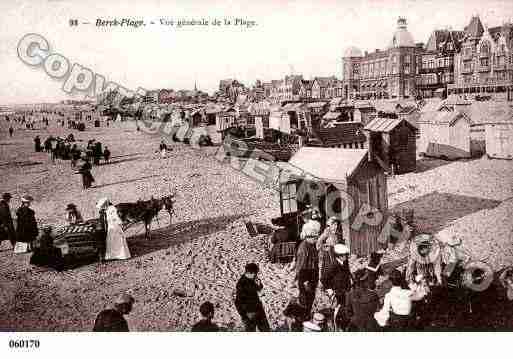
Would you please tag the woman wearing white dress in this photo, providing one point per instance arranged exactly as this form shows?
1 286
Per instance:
116 246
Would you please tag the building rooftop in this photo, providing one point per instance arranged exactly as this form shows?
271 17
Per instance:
402 37
353 51
329 164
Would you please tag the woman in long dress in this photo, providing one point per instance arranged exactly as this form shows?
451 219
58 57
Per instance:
116 246
331 236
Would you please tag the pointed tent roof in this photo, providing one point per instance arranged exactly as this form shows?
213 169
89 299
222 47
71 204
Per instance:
474 28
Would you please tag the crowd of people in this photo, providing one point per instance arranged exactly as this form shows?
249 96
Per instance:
25 236
68 149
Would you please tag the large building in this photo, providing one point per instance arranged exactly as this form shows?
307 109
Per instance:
389 73
484 64
436 67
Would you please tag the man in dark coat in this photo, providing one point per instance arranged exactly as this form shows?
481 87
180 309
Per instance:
307 271
112 320
361 304
7 231
337 281
206 324
85 171
97 153
37 144
11 131
247 301
48 144
106 154
26 231
338 275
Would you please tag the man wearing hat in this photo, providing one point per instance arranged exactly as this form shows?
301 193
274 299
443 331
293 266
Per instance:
27 230
85 171
307 269
6 224
337 278
112 320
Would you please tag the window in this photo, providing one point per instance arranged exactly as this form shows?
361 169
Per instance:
407 59
363 190
289 198
485 47
485 62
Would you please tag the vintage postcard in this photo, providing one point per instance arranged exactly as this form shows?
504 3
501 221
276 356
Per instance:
265 166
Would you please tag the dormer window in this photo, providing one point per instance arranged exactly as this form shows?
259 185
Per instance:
485 48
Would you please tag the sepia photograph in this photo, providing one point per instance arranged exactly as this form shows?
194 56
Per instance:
269 166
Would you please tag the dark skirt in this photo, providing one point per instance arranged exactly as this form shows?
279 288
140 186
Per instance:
401 323
326 260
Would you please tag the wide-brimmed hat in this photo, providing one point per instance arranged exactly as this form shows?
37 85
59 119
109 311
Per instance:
101 203
478 276
318 318
341 249
70 207
311 327
27 198
124 299
450 240
333 220
434 249
6 196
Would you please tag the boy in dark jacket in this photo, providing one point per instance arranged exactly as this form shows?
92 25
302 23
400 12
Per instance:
247 301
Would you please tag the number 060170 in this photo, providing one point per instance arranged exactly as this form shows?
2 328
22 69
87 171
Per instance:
23 343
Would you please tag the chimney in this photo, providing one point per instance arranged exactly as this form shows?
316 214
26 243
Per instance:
401 23
366 53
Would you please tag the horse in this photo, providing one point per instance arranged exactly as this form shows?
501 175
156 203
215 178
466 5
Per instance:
145 211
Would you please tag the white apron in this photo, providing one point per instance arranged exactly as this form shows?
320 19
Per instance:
116 246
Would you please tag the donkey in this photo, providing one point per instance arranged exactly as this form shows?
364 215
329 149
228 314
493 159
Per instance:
145 211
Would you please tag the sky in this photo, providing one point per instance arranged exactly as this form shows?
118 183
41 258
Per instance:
305 37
